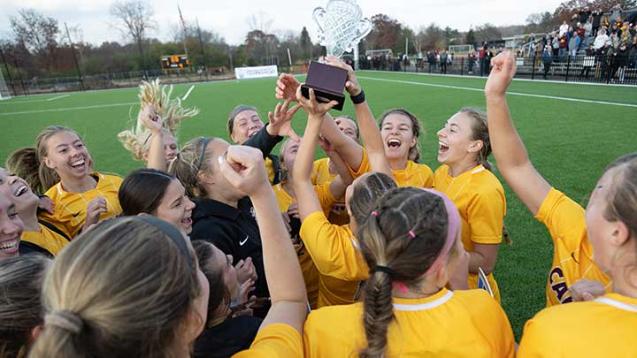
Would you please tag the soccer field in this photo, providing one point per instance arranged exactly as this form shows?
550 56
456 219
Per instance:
572 132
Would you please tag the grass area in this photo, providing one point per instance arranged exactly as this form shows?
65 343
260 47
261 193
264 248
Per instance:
569 142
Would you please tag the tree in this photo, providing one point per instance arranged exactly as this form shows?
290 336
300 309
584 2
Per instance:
136 18
470 38
487 32
37 33
385 33
431 38
306 44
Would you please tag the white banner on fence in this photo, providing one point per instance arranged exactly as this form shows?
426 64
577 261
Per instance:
255 72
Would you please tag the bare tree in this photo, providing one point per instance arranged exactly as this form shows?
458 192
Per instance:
261 22
37 33
135 19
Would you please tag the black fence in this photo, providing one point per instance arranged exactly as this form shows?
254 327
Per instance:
580 68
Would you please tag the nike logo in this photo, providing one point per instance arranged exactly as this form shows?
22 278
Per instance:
244 241
75 214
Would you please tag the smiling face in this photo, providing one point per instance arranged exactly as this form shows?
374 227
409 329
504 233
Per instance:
67 155
11 227
455 140
397 131
175 207
18 191
170 146
288 154
246 124
347 126
223 262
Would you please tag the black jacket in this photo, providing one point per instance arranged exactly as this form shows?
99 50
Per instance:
230 337
234 231
265 142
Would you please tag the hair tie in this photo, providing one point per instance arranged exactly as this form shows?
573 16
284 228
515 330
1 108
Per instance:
411 234
375 213
385 269
66 320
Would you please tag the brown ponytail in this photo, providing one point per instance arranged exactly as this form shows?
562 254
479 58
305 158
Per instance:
414 152
192 159
400 240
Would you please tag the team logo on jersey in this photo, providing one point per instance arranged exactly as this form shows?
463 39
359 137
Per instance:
558 285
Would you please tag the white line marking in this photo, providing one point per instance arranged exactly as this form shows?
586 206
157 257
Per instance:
188 92
69 108
476 77
58 97
509 93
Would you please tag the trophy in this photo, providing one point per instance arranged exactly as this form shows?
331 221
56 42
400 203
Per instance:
341 26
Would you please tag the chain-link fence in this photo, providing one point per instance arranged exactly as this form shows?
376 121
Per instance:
616 69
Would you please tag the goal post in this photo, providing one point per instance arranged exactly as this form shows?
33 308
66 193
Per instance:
4 90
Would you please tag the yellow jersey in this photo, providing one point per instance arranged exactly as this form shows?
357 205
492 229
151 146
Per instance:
479 197
604 327
275 340
414 174
310 274
572 252
340 265
70 208
269 168
447 324
46 239
320 175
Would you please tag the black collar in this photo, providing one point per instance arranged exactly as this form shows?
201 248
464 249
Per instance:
206 207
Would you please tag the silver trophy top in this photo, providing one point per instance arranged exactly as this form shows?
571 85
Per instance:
341 26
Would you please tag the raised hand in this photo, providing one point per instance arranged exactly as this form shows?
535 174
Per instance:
314 108
150 119
352 86
46 204
281 120
246 271
504 68
243 168
286 86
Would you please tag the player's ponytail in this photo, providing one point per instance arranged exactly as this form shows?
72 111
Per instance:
191 160
406 234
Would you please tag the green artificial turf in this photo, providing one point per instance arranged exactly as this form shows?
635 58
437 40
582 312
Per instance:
570 142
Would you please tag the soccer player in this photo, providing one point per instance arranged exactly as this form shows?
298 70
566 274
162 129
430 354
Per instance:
81 196
564 218
10 227
411 243
38 235
465 177
400 131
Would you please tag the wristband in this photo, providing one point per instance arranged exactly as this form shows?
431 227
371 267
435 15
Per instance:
359 98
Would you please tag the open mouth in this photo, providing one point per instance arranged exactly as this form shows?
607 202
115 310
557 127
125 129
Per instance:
442 147
186 221
9 247
78 164
21 190
394 143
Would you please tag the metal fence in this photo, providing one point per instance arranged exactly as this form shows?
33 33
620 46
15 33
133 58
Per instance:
580 68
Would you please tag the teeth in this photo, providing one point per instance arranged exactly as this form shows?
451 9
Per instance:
78 163
21 190
9 245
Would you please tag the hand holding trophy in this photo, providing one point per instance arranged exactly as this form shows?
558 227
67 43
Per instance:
341 26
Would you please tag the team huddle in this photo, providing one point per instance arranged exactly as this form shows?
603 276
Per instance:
216 249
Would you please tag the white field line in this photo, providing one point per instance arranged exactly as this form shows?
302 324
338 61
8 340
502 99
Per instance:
568 99
188 93
69 108
58 97
515 79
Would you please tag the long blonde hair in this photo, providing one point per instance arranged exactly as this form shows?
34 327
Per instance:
123 289
137 139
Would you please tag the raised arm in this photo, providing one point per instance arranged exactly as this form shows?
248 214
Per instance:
509 151
243 167
302 172
156 158
366 123
347 148
279 125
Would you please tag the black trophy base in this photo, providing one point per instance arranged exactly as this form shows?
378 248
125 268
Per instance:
327 82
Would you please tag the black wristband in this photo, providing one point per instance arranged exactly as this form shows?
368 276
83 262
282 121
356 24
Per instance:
359 98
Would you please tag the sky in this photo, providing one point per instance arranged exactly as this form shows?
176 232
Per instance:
230 19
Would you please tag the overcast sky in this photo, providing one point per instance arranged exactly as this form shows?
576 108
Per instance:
229 18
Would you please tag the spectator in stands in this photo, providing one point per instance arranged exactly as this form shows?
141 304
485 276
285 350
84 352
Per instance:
632 53
563 51
555 44
584 14
589 62
588 27
620 62
614 39
563 28
601 40
605 22
471 62
574 45
482 54
615 13
547 60
431 59
597 17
